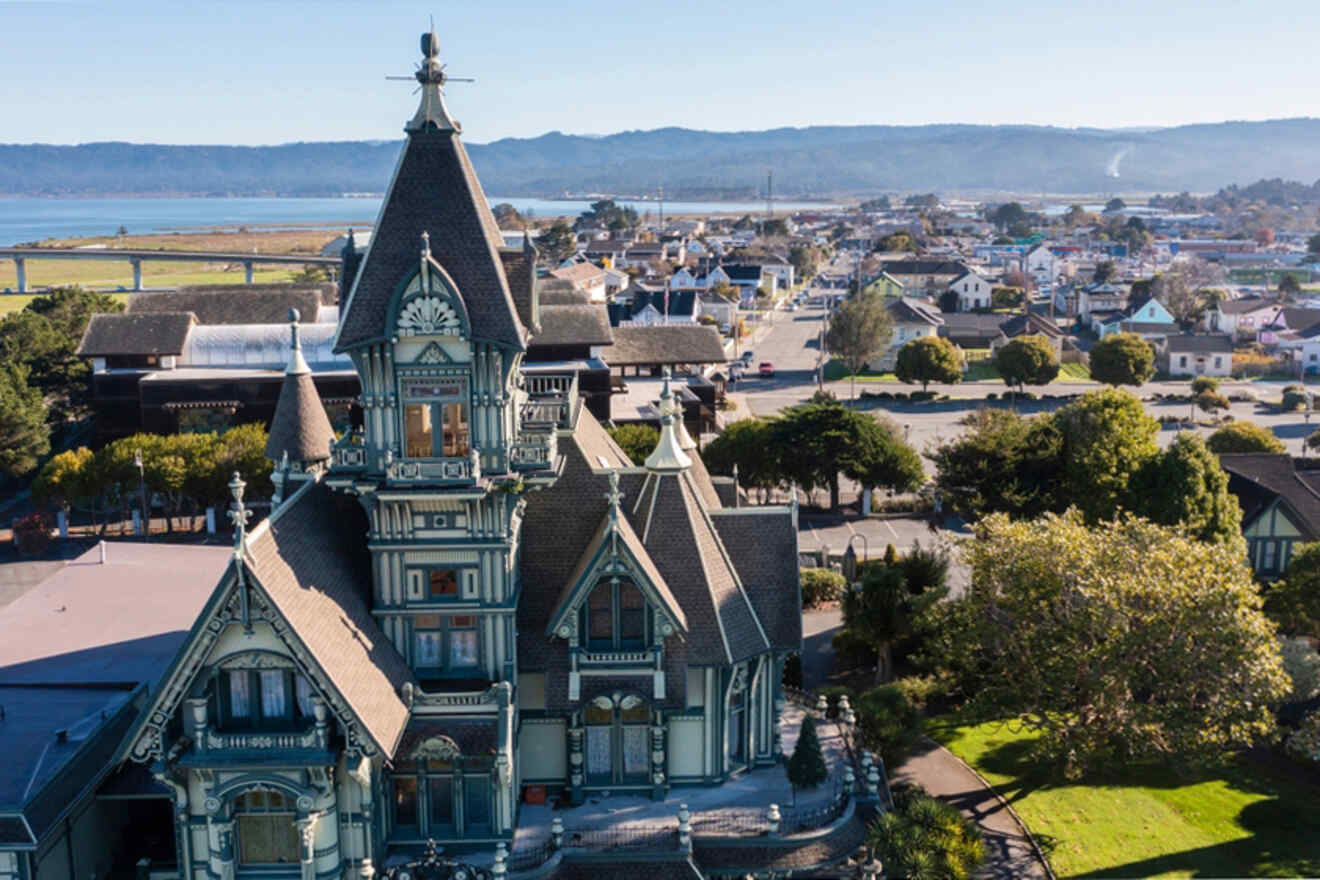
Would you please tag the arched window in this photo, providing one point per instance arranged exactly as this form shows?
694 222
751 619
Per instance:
615 617
264 819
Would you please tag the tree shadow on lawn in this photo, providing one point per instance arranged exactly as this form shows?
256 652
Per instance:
1283 829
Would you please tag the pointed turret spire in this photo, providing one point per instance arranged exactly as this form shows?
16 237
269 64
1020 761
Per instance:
431 112
297 363
668 455
300 427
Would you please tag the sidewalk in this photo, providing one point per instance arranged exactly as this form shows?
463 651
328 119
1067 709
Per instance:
937 770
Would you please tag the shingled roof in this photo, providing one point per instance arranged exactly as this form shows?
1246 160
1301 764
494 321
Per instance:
235 304
300 426
763 544
666 344
679 535
579 324
435 190
311 559
1257 478
158 333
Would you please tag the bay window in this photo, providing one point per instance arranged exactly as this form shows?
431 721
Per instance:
443 798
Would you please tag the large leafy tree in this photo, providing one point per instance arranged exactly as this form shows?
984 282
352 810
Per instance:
1244 437
1117 643
859 332
557 242
929 359
881 459
1002 462
24 435
1107 436
1122 359
745 444
1027 360
813 442
1184 485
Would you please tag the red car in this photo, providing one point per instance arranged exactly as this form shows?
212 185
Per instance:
766 369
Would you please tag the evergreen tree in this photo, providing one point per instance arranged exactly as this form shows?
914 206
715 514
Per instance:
24 435
806 769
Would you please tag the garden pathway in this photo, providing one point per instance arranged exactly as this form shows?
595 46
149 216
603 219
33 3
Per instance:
937 770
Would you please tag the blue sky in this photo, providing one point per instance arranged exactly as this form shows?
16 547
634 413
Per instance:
259 73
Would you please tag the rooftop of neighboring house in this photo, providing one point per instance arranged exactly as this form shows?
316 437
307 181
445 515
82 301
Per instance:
1196 343
665 344
579 273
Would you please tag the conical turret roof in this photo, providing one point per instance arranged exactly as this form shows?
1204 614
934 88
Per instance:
300 426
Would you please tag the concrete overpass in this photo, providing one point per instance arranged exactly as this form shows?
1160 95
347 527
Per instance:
20 256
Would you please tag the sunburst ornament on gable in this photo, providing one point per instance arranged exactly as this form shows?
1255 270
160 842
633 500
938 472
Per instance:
427 309
428 316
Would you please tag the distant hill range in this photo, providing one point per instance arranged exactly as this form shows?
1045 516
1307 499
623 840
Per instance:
819 161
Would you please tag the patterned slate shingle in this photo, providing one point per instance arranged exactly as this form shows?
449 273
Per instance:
436 191
235 304
312 561
300 425
764 547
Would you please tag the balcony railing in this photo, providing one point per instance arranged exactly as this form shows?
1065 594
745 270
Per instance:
312 738
349 453
550 400
616 658
444 469
534 452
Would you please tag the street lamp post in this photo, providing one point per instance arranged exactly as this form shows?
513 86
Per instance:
142 492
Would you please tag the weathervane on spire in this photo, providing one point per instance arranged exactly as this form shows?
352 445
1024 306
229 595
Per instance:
431 76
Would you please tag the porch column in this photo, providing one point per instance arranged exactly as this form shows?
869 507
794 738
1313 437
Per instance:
307 842
221 833
576 777
658 785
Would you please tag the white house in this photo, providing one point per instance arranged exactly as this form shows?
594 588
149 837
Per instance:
1040 263
1198 355
973 291
912 319
1241 317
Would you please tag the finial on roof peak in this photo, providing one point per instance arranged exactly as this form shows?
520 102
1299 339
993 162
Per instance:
238 514
297 363
432 77
668 454
614 496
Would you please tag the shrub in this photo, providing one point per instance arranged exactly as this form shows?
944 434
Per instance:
1244 437
1204 383
992 396
793 671
926 839
32 533
820 585
888 722
1294 398
919 689
899 395
1304 743
1302 664
918 396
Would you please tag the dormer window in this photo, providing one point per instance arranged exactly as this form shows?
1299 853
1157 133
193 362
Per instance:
264 698
615 617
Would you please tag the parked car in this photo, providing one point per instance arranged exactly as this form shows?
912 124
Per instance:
766 369
747 357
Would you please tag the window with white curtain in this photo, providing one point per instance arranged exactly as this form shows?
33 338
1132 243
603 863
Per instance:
273 702
240 696
303 694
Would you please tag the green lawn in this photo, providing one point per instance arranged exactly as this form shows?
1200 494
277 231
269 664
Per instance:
1246 820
